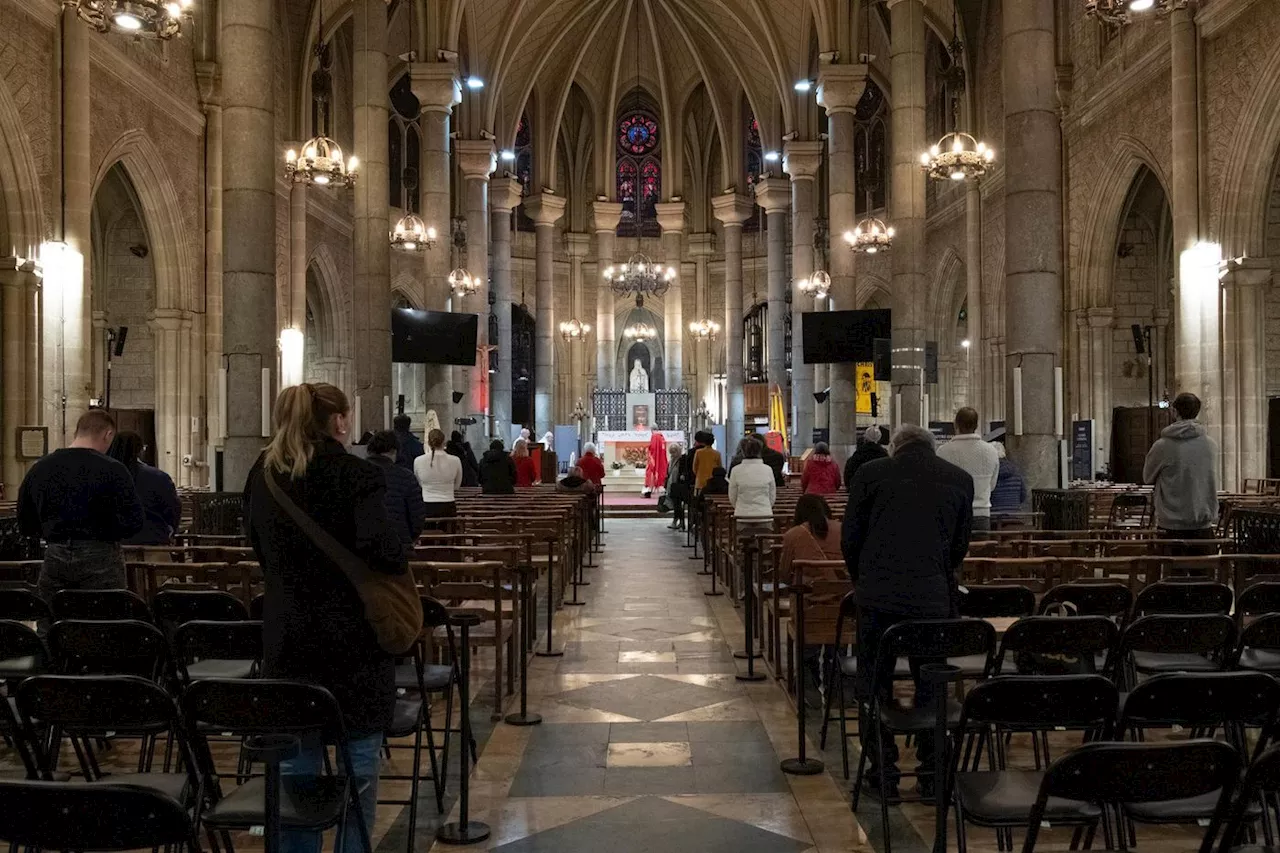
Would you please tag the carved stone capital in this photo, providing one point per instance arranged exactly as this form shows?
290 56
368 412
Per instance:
545 208
670 216
1101 318
576 244
209 83
436 85
773 194
504 194
801 160
476 158
732 208
605 215
840 87
701 245
1249 272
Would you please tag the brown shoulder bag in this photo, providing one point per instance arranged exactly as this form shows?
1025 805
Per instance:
391 602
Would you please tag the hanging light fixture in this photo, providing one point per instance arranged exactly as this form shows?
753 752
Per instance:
957 156
704 330
573 330
411 234
870 236
138 18
1116 12
816 286
640 332
321 161
462 282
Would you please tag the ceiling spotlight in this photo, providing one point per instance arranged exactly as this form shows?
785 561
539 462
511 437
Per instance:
1141 5
771 156
966 343
803 85
475 83
507 155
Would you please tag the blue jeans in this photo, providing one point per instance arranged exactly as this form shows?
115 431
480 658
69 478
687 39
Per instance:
366 754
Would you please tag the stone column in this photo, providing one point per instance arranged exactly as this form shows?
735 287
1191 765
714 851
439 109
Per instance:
774 195
671 221
297 302
732 210
16 275
1033 234
208 79
71 289
907 202
1185 180
839 89
371 305
1100 352
545 210
477 160
801 160
436 86
701 247
249 229
1245 354
576 246
504 197
166 331
973 297
604 218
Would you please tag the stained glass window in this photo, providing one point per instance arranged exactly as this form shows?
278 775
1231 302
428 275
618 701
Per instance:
870 150
639 172
403 145
524 169
753 158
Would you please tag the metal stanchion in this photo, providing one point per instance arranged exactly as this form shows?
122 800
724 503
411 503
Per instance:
801 765
464 830
549 652
749 614
271 750
575 583
524 718
941 676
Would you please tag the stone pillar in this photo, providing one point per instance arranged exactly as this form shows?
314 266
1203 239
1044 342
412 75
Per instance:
732 210
671 221
839 89
545 210
209 83
801 160
166 333
774 195
1185 178
504 197
16 276
371 305
907 202
1033 234
436 86
477 160
297 301
1099 382
701 247
973 298
604 218
576 246
1245 356
249 230
71 289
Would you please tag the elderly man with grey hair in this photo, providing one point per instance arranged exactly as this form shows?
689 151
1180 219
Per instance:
906 533
869 448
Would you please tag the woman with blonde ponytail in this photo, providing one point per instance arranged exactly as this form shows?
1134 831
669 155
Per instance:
440 473
314 627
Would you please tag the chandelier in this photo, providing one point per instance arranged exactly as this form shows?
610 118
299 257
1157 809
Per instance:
138 18
411 234
870 236
574 330
704 330
462 282
1116 12
639 275
816 286
640 332
321 162
957 156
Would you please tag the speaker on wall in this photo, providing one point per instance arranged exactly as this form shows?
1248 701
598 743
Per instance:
931 362
882 359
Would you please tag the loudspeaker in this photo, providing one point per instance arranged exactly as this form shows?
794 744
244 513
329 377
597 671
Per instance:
400 404
882 359
875 404
931 362
457 397
1139 340
121 334
821 396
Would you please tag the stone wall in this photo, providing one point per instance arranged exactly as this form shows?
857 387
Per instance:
130 284
1134 298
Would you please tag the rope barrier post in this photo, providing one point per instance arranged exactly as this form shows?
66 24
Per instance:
801 765
271 750
524 718
550 652
464 830
941 676
749 613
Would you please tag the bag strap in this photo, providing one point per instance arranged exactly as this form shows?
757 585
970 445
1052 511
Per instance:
351 565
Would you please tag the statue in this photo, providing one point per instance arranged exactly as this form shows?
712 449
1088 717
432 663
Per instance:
639 381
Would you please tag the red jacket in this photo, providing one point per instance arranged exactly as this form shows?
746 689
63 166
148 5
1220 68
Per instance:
821 476
592 468
526 471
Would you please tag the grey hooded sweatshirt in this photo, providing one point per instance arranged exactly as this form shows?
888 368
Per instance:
1182 465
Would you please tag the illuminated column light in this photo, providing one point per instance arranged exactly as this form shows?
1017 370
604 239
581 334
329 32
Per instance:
1199 310
292 347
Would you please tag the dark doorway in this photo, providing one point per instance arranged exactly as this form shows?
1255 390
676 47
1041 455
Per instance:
522 365
1132 435
143 422
1273 437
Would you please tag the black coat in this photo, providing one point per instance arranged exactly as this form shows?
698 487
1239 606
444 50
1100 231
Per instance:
314 628
410 449
867 451
470 467
497 473
775 461
405 509
906 532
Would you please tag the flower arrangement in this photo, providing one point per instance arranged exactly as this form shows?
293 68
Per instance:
617 466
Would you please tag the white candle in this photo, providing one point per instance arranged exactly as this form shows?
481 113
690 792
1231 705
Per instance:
1017 401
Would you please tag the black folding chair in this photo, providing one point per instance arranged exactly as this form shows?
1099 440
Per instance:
1122 775
173 607
222 649
100 604
1157 644
1085 598
257 605
109 647
1184 597
23 605
1001 797
1259 648
1258 599
1261 780
251 707
19 737
75 816
22 652
1056 645
996 600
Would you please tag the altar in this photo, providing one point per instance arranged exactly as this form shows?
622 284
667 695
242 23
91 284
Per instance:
631 446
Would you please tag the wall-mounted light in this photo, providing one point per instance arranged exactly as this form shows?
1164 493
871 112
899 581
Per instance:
292 347
475 83
771 156
803 86
507 155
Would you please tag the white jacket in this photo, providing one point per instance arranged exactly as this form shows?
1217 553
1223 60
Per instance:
752 490
439 473
982 462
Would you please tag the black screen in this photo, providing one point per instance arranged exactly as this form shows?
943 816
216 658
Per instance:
433 337
843 337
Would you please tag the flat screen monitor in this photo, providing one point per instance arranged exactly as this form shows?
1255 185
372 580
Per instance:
433 337
843 337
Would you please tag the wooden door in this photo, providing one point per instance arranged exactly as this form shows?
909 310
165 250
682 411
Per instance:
1131 437
143 422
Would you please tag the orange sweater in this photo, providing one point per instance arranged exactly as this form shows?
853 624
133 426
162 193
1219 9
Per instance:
706 460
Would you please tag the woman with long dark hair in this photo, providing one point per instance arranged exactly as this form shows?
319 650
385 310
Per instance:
314 627
161 508
814 535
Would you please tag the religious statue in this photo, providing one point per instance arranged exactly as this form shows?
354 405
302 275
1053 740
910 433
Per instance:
639 381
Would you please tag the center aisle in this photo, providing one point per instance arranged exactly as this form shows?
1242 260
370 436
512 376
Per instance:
648 741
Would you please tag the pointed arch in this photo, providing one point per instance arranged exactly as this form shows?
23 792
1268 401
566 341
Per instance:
1250 169
328 280
23 218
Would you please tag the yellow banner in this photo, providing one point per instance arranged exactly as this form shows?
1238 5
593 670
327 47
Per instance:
864 386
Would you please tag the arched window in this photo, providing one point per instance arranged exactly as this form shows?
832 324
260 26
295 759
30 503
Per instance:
524 169
404 149
753 157
870 150
639 173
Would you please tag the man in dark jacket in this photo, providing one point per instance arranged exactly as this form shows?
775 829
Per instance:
868 449
405 508
410 448
906 533
497 471
461 448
